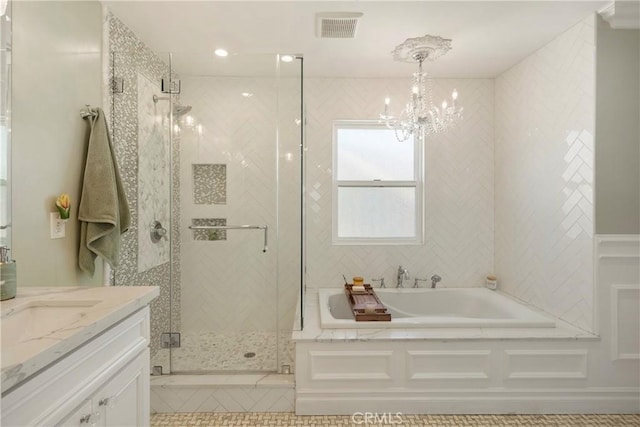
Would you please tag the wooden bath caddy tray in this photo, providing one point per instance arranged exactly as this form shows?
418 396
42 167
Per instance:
365 305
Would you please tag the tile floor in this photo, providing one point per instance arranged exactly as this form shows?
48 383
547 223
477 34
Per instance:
290 419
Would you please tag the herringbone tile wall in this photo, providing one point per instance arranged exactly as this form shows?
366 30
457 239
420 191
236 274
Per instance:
544 176
458 186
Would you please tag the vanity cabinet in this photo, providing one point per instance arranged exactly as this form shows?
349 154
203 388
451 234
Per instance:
104 382
120 402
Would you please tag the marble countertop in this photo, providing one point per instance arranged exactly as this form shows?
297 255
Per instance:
41 325
314 332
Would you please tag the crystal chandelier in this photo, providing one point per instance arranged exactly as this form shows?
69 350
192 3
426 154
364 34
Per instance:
421 116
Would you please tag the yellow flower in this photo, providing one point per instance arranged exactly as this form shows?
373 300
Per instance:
63 203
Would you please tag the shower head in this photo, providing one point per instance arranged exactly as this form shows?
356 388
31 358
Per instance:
178 110
181 110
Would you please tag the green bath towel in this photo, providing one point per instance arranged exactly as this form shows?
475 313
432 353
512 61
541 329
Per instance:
103 211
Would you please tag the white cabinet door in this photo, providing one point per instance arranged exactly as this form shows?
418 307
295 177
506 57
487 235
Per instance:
124 399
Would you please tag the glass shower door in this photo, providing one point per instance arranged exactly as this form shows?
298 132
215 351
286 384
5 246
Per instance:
227 179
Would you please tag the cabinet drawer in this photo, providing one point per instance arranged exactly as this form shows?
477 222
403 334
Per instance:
49 396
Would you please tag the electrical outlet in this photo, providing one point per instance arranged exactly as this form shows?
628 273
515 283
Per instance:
57 226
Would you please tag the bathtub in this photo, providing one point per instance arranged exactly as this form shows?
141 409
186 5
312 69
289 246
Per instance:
434 308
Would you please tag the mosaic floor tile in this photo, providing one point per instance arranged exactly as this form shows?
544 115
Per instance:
225 351
290 419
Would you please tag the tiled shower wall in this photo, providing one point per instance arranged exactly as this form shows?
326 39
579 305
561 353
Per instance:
544 176
458 186
154 173
131 60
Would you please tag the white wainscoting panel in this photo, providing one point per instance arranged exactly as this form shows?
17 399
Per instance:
625 305
351 365
495 376
448 365
617 273
545 364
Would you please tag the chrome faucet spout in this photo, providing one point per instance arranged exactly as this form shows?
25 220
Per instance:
403 274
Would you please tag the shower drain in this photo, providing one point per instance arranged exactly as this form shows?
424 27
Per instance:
249 355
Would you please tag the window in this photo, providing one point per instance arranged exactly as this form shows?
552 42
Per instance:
377 185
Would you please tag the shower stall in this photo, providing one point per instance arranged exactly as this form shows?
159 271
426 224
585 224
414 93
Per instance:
211 154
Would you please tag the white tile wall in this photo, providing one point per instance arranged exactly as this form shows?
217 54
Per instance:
458 190
544 176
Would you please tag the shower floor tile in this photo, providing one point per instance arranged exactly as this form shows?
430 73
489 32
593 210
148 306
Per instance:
290 419
227 351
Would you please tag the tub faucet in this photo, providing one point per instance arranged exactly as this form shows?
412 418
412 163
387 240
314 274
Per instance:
435 279
403 273
381 280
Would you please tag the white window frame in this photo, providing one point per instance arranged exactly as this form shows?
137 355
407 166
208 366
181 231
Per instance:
417 183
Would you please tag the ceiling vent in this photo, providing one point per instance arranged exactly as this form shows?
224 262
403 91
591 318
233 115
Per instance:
337 25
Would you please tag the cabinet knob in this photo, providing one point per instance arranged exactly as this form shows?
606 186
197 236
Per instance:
109 402
90 419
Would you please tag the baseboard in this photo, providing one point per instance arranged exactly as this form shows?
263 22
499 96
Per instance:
501 401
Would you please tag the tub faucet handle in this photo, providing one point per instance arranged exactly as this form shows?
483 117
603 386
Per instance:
381 280
415 282
434 280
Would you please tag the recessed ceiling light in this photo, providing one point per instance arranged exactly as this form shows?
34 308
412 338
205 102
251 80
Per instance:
286 58
247 94
221 52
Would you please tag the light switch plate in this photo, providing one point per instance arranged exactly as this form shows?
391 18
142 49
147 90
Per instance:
57 226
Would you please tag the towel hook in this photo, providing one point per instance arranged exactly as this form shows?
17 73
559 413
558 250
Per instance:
88 112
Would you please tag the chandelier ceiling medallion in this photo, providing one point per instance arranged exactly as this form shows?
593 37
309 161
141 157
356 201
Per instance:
421 116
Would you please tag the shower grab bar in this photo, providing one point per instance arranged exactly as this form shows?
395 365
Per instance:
234 227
